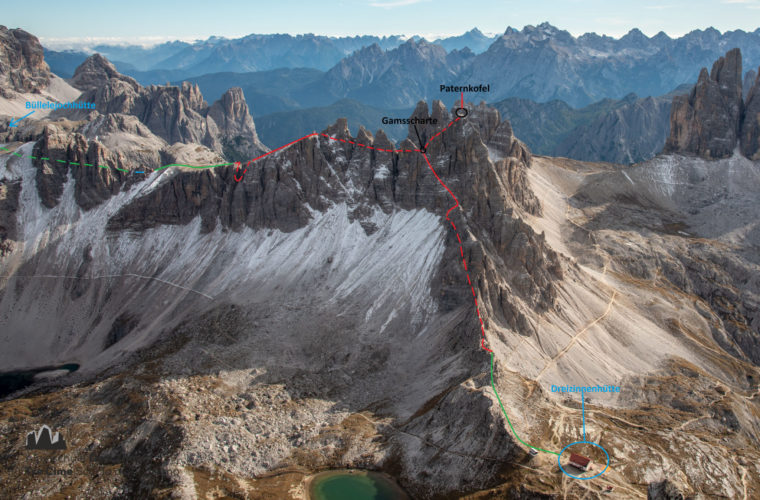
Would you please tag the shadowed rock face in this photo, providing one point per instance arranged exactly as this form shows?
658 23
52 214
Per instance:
93 184
663 490
478 158
749 80
281 191
22 66
633 132
707 121
750 131
714 118
9 198
237 131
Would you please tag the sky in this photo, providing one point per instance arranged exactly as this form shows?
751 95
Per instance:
145 21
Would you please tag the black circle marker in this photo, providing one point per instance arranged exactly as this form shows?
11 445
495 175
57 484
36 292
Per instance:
461 112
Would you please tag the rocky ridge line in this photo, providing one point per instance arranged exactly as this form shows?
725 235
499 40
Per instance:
175 114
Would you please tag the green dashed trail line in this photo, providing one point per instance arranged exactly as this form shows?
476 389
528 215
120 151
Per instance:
493 386
477 307
78 164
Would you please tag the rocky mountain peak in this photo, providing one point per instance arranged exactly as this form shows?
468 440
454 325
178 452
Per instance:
339 129
420 110
22 64
232 105
373 50
381 140
95 70
661 37
176 114
439 112
727 72
192 94
421 49
546 31
236 128
635 39
364 136
708 121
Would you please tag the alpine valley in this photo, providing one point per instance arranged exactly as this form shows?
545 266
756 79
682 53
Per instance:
198 324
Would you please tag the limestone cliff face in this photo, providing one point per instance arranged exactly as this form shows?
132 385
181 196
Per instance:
9 199
706 122
134 129
750 130
92 184
175 114
22 66
714 119
237 131
513 272
478 158
749 80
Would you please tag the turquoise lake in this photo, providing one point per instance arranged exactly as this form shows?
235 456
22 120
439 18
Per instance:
354 485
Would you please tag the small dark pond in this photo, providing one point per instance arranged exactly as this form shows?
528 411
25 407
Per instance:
13 381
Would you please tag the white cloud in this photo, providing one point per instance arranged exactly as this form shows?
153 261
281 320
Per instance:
749 4
391 4
86 42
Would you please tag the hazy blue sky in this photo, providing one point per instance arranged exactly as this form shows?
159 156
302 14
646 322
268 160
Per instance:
186 19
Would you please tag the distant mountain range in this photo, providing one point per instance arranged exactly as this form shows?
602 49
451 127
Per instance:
541 63
474 40
398 78
266 91
254 52
626 130
583 97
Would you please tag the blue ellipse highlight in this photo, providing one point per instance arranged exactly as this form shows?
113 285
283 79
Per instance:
559 462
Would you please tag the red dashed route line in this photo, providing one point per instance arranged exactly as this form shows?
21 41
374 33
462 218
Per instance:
427 160
439 133
237 164
456 204
346 141
315 134
421 150
461 252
